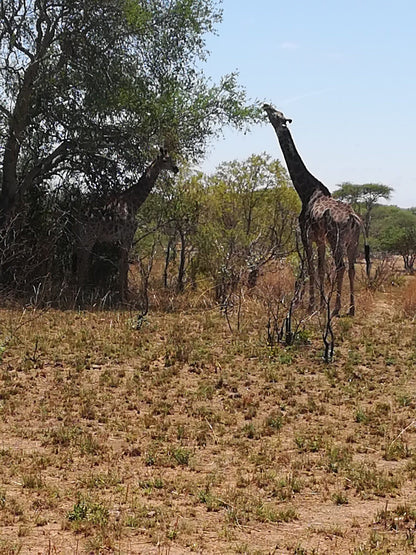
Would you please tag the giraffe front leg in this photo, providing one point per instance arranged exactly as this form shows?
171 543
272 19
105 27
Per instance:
123 273
307 246
83 255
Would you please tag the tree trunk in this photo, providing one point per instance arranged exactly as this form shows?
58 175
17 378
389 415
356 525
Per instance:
167 260
182 261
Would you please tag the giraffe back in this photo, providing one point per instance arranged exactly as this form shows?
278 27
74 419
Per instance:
333 220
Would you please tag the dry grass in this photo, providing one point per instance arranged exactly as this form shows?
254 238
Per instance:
409 298
184 437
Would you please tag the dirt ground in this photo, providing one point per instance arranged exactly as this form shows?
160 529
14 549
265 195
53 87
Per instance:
187 436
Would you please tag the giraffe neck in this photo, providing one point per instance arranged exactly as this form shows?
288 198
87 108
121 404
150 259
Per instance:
138 193
303 181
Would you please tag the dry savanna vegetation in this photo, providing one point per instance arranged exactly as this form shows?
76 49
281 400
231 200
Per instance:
189 433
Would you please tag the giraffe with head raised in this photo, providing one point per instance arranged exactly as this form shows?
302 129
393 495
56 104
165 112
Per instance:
322 219
115 223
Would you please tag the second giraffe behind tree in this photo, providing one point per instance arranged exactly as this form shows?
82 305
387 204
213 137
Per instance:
115 223
322 220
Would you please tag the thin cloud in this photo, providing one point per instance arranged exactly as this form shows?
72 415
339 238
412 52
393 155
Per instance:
307 95
289 45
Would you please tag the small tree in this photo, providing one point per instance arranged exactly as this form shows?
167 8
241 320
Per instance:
248 219
183 204
398 236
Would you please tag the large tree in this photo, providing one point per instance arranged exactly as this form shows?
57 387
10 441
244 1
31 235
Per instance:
89 87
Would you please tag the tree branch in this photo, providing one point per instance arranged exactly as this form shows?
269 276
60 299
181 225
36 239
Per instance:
45 165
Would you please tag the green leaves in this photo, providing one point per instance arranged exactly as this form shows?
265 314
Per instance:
116 79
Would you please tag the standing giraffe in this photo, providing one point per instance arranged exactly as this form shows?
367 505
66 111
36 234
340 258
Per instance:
322 219
116 223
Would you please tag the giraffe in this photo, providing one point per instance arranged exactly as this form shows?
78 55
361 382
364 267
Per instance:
115 223
322 219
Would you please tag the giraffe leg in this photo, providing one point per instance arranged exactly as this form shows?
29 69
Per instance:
352 254
307 245
339 277
83 255
351 275
123 273
321 273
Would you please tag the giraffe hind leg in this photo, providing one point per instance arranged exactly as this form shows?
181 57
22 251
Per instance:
321 273
352 253
351 275
339 278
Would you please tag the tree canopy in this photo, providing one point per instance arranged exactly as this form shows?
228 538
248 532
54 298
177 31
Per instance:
88 88
89 91
221 228
363 198
396 233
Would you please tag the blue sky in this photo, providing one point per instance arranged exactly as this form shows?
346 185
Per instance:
343 70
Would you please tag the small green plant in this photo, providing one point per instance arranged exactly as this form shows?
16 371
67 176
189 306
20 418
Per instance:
268 513
338 457
89 445
250 431
306 443
181 456
397 450
211 502
206 391
94 513
361 416
340 498
149 485
285 358
286 487
32 481
274 422
150 458
79 512
405 400
102 480
3 348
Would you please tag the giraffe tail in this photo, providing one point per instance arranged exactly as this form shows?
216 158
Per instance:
366 245
367 258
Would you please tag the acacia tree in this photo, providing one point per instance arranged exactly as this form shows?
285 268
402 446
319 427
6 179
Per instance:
88 88
363 198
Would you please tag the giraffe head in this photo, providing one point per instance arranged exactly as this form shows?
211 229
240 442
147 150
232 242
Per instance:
277 119
166 162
